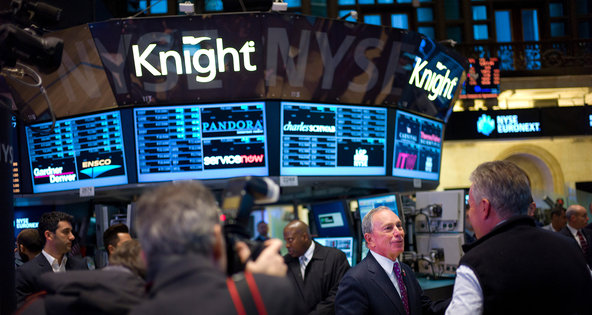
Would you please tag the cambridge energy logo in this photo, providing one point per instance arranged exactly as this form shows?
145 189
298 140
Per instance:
485 124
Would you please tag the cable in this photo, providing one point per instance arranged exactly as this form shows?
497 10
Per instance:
38 82
147 8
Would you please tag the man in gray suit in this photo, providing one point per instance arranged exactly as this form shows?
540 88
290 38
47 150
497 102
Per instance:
55 230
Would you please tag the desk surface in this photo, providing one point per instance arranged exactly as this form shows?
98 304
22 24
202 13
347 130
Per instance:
439 289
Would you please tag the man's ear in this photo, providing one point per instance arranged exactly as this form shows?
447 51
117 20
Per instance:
219 244
486 210
110 249
48 234
368 238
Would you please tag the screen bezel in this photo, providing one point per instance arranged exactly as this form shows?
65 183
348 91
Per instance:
416 174
307 171
114 181
203 174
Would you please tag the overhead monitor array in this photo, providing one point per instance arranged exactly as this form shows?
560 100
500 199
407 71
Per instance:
218 141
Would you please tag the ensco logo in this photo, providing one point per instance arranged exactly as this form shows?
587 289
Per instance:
485 124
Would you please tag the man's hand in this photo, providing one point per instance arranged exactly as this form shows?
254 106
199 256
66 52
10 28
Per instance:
269 262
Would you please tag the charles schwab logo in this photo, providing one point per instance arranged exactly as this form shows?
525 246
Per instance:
485 124
186 63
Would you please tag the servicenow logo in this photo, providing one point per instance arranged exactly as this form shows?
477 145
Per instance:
233 159
187 63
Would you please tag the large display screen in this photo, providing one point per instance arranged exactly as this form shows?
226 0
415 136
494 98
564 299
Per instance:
331 218
418 147
344 244
368 203
80 152
200 142
325 140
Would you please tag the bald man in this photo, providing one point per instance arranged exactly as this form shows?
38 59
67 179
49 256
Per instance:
577 218
313 269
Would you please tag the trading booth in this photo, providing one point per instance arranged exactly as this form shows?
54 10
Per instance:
332 111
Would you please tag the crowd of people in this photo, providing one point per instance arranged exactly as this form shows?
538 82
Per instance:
178 263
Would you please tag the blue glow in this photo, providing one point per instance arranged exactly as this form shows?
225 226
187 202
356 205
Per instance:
485 124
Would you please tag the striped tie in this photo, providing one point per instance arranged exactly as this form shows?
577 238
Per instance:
583 242
397 270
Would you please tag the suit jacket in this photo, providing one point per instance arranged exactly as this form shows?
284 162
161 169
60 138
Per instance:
28 275
367 289
588 236
322 275
114 290
191 284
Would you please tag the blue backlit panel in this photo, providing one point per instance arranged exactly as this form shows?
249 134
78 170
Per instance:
325 140
418 147
80 152
201 142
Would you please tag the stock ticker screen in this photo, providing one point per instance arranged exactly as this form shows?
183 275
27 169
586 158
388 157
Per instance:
325 140
418 147
81 152
200 142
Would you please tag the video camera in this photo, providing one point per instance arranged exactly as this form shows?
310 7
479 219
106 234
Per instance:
237 201
20 41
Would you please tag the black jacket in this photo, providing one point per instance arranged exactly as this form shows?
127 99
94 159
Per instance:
111 291
191 284
323 273
523 269
28 275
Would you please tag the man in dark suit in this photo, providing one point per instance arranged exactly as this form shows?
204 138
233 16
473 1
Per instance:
313 269
577 218
55 230
181 234
380 284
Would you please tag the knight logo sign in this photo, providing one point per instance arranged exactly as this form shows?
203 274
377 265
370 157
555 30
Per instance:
268 56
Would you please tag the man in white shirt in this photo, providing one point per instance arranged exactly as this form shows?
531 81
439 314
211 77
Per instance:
55 230
513 264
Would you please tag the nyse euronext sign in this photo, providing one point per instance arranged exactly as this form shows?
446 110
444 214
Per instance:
506 124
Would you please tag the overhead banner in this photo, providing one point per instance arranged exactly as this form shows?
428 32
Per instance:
247 56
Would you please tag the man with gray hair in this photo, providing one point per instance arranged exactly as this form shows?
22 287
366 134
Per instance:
514 267
577 218
181 234
380 283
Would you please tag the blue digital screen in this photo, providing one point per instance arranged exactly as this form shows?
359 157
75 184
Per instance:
368 203
200 141
331 219
325 140
417 147
80 152
345 244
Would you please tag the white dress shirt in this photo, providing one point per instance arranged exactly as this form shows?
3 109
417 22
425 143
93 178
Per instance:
467 296
305 259
388 266
54 262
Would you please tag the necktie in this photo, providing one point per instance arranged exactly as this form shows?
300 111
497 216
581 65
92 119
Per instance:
402 288
583 242
302 265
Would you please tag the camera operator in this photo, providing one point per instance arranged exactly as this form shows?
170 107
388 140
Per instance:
179 228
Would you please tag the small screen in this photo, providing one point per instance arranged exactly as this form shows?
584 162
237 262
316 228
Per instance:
369 203
80 152
345 244
325 140
418 147
205 141
331 219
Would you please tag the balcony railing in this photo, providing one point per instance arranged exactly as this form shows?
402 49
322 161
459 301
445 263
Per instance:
548 57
